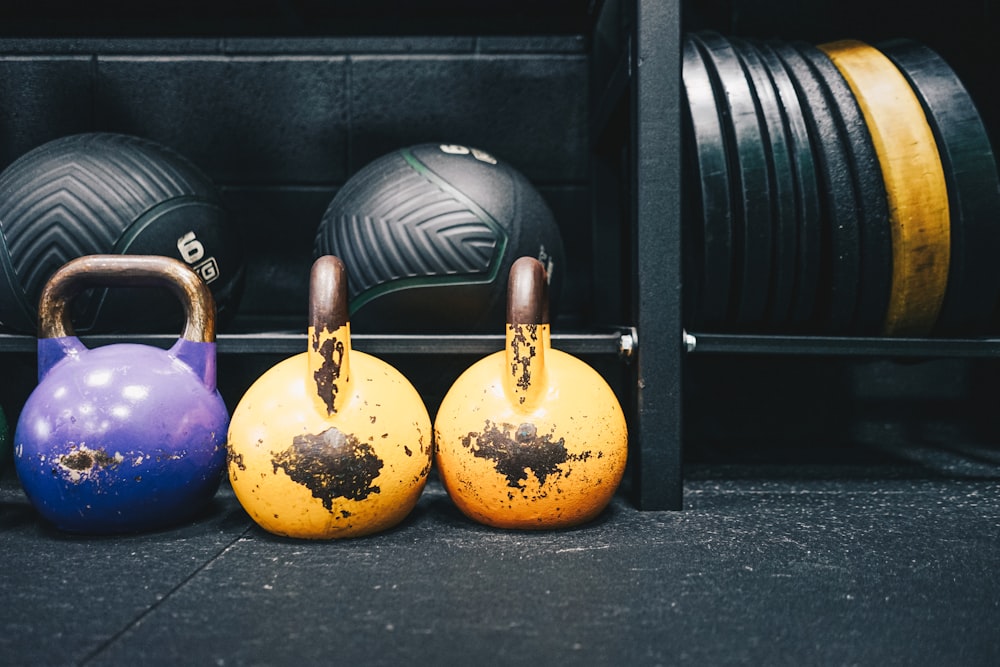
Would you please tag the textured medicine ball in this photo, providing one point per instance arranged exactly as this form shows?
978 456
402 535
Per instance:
107 193
428 234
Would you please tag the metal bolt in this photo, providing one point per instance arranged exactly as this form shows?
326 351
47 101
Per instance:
627 345
690 342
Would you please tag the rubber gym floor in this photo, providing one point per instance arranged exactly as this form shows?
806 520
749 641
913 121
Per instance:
767 564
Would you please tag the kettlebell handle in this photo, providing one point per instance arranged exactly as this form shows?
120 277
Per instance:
329 349
527 336
527 292
328 294
126 271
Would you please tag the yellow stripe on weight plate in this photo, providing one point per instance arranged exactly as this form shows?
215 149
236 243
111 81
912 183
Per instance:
914 183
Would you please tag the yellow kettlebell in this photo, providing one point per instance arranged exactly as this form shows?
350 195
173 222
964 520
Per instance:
530 437
329 443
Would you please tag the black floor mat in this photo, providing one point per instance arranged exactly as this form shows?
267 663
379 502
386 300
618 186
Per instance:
764 566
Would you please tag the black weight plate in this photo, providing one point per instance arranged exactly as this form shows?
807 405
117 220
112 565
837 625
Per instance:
748 161
873 209
708 196
841 265
836 296
970 172
782 182
807 197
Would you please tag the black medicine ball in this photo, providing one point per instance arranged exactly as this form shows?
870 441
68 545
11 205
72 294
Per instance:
428 234
100 193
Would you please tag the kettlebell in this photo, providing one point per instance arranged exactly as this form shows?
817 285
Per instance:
530 437
332 442
122 437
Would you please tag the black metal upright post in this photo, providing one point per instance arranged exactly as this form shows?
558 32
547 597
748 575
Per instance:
657 295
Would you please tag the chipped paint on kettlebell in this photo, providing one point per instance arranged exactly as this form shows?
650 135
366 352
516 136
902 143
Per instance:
137 445
514 455
328 348
81 462
323 445
530 437
122 437
523 345
301 472
332 465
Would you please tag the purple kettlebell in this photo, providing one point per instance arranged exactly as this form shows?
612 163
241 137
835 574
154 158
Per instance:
122 437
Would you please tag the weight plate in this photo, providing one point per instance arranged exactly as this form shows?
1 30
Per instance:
840 264
914 183
875 238
708 220
970 173
746 151
784 230
807 198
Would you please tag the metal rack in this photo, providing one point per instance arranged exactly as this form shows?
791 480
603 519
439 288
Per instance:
638 87
612 334
634 60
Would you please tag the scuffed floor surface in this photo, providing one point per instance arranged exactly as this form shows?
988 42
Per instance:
765 566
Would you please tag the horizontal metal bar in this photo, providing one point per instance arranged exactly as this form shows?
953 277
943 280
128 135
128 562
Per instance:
596 343
704 343
600 343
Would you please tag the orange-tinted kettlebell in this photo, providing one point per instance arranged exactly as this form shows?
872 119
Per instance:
329 443
530 437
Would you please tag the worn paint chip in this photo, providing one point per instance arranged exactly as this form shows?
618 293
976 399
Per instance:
82 462
331 351
522 352
515 450
331 464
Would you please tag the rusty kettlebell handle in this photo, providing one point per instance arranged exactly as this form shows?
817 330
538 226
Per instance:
126 271
329 336
527 293
328 294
